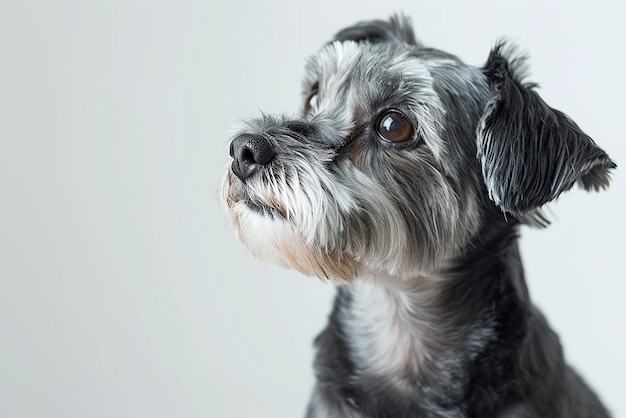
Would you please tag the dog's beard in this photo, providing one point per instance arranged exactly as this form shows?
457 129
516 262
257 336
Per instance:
301 215
280 221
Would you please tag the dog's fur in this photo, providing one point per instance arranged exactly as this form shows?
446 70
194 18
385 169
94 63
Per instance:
432 316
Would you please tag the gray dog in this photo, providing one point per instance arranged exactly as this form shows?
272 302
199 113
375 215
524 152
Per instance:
405 179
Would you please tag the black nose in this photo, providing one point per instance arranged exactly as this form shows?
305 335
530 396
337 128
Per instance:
250 152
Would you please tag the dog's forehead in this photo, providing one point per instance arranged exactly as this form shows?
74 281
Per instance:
349 63
366 78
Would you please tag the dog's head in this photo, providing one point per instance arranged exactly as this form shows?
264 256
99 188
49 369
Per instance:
397 155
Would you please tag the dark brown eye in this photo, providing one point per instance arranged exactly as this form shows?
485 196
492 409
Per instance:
394 127
310 104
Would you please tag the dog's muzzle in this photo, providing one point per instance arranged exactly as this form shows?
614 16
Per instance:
250 153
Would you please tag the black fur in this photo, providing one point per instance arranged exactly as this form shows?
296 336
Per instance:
531 152
521 366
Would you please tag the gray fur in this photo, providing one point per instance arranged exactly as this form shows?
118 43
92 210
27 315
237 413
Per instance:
433 318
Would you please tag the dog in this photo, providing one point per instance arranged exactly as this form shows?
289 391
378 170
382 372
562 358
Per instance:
405 179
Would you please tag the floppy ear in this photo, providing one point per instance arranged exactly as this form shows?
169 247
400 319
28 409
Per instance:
397 29
531 153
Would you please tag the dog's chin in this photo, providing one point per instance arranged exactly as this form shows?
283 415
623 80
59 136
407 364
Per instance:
270 237
261 231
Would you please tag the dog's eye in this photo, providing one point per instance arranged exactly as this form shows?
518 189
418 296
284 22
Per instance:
310 104
394 127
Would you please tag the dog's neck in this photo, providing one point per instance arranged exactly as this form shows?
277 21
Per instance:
426 328
391 324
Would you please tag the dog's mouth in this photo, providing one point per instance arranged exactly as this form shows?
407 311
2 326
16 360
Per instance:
264 209
239 194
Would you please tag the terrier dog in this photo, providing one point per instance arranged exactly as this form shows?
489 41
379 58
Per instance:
405 178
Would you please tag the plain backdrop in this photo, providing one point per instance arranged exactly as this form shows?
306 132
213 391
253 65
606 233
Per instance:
123 290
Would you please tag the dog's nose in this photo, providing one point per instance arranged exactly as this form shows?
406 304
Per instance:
250 152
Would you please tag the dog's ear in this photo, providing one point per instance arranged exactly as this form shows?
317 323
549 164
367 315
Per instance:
531 153
397 29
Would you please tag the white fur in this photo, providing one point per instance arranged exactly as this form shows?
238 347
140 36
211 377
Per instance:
262 234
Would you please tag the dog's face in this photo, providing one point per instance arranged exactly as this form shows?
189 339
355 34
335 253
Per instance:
397 156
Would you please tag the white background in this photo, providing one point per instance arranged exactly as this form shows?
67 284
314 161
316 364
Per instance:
123 291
